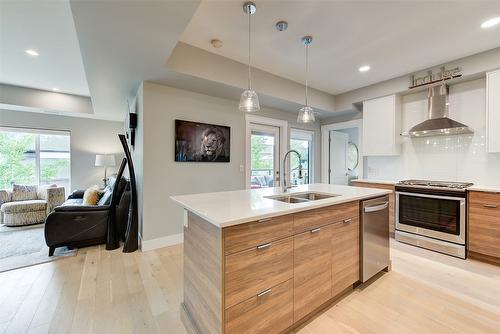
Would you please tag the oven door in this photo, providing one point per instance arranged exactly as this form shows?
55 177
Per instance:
439 217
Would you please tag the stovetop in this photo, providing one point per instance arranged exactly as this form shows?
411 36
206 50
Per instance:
435 184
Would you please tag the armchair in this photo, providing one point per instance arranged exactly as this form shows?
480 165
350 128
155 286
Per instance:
29 211
76 225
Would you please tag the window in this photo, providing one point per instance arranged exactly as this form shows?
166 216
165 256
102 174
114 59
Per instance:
34 157
301 141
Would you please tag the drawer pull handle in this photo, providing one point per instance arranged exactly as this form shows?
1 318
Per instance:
264 220
347 221
264 293
264 246
492 206
316 230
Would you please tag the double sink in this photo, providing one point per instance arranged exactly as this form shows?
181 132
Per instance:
301 197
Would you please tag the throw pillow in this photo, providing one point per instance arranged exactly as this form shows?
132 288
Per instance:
91 196
24 193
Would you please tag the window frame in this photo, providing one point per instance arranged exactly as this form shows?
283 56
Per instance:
37 133
309 135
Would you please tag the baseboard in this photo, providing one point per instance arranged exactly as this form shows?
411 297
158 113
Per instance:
169 240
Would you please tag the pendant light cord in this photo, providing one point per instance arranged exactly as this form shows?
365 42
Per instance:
307 69
249 9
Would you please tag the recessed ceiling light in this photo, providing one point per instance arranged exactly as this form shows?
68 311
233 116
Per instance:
55 89
364 68
32 52
490 23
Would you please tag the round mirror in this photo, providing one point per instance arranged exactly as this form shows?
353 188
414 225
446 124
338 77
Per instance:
352 156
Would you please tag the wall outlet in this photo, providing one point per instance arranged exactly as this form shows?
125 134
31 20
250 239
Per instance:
242 168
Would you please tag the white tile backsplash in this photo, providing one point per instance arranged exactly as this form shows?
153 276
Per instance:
447 158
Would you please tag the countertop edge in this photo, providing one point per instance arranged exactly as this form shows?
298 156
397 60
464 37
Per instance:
311 205
485 189
374 181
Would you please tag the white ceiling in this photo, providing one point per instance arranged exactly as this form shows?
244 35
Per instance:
394 38
47 27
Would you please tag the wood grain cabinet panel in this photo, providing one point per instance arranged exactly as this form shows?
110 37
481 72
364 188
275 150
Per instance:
271 312
312 275
484 223
254 270
345 255
244 236
392 199
307 220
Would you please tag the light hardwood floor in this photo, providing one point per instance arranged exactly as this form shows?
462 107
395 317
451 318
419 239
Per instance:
111 292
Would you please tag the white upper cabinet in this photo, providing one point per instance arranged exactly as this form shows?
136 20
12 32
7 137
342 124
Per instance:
382 126
493 111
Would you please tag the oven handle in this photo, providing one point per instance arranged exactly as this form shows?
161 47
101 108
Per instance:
460 199
375 208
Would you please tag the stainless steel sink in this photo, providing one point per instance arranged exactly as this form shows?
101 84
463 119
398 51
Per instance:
301 197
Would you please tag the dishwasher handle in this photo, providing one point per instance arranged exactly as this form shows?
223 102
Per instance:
375 208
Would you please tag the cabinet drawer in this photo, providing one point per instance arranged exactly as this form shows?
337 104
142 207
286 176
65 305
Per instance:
312 280
244 236
484 223
271 312
345 250
307 220
254 270
484 200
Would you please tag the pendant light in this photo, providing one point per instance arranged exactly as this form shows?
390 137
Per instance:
306 113
249 101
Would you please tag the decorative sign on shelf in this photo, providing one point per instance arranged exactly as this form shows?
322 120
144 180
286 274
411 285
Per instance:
432 78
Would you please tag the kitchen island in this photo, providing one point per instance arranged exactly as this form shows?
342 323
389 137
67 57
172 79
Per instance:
260 261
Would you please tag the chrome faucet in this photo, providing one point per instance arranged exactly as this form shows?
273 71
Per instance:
284 187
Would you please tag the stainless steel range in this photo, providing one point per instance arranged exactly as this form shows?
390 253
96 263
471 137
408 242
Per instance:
432 215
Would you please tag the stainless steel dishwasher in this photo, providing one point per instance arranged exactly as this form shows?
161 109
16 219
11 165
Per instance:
374 236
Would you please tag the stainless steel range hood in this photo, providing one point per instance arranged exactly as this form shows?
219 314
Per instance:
438 123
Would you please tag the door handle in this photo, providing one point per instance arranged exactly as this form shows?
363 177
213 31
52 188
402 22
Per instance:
347 221
375 208
316 230
491 206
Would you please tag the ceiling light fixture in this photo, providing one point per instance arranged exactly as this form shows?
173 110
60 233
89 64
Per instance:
55 89
32 52
249 101
364 68
216 43
306 113
490 23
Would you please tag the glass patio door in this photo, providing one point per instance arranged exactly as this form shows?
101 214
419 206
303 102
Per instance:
264 156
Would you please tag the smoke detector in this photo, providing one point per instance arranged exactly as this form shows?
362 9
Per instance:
281 25
216 43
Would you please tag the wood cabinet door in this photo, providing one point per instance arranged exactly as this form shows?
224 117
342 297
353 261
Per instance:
484 223
345 255
312 281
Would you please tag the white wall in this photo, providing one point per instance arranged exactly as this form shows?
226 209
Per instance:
450 158
88 137
163 177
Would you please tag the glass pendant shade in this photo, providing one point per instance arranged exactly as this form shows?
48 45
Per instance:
249 101
306 115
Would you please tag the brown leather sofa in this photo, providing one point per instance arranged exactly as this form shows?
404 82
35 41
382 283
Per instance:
76 225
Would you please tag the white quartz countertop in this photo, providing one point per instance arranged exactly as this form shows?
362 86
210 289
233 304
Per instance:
389 182
492 189
241 206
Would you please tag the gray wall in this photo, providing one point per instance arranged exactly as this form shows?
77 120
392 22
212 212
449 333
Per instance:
88 137
163 177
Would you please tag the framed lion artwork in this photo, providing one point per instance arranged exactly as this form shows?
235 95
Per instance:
200 142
